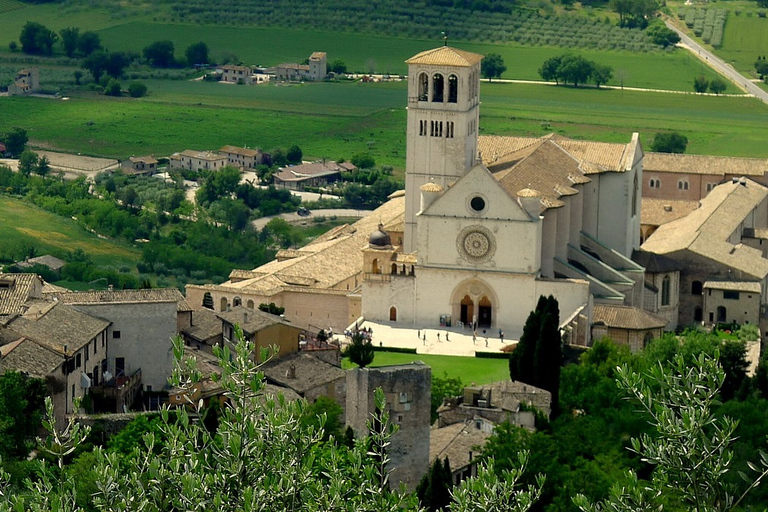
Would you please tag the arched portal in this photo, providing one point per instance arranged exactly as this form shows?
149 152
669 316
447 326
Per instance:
485 312
375 266
467 310
250 304
237 301
393 314
394 269
721 314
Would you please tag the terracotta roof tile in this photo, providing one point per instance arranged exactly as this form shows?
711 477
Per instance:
456 442
700 164
446 56
655 212
739 286
123 296
627 317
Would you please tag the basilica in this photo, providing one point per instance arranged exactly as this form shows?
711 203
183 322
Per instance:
485 226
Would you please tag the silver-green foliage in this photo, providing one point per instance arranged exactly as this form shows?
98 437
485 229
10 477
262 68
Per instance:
691 448
492 493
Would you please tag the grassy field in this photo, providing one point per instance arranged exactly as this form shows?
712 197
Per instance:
24 224
745 38
338 120
469 369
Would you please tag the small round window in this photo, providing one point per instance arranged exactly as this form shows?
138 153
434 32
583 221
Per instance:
477 203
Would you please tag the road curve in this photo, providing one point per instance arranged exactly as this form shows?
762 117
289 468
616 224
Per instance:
719 65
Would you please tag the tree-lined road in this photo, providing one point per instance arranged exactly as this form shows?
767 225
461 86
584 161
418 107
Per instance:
719 65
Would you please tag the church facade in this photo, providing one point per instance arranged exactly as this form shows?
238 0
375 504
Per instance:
492 223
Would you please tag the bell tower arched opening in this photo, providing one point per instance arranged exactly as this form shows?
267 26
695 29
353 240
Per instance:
438 84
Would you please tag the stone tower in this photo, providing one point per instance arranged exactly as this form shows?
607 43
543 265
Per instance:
443 116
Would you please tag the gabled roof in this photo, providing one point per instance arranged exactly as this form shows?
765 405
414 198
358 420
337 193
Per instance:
708 230
15 290
30 357
49 261
456 442
149 295
700 164
627 317
235 150
55 326
202 155
446 56
206 325
251 320
655 212
301 372
739 286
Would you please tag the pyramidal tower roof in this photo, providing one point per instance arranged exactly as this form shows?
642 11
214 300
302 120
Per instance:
446 56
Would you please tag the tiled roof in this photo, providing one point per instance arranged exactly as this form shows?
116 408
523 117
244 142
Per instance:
240 151
655 263
202 155
30 357
310 372
15 290
506 391
56 325
456 442
655 212
205 325
707 230
739 286
144 159
627 317
446 56
307 171
251 320
317 55
49 261
329 260
699 164
124 297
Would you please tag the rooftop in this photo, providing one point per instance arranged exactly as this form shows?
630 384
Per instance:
15 290
251 320
700 164
739 286
655 212
456 442
123 297
240 151
446 56
627 317
301 372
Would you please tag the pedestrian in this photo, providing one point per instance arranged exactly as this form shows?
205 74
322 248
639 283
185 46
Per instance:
418 333
425 337
501 335
446 337
474 337
438 337
486 342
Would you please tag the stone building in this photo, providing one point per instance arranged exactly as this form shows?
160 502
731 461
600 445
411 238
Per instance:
244 158
262 329
197 160
309 377
26 81
721 244
408 391
626 325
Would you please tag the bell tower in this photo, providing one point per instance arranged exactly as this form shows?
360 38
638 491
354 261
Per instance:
443 115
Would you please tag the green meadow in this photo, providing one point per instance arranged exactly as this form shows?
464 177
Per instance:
469 369
25 225
745 38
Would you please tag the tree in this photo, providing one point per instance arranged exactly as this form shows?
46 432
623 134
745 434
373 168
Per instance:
69 40
521 359
278 157
361 350
492 66
434 489
137 89
27 162
690 453
15 141
550 69
575 69
761 67
700 84
196 53
294 154
733 359
13 46
113 88
444 387
21 408
89 42
160 54
547 358
663 36
669 142
96 64
601 73
116 63
338 67
43 166
717 85
78 76
271 308
37 39
363 160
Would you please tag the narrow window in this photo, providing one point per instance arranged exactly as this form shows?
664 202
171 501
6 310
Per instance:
437 88
696 288
453 89
423 87
665 290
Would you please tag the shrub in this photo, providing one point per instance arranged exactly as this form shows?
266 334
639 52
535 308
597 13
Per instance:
137 89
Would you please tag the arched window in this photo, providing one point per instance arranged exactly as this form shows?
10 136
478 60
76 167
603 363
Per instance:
375 267
721 313
437 88
393 314
393 271
208 300
249 305
647 339
236 302
423 87
697 316
453 89
682 185
666 284
696 288
224 304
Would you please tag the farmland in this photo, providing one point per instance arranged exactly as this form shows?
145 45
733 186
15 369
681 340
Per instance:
745 38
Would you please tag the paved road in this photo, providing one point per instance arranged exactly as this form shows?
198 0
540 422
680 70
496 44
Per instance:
295 217
719 65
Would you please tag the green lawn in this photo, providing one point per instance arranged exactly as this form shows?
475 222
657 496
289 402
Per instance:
25 225
469 369
745 38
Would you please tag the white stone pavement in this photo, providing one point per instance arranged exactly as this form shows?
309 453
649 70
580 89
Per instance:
459 342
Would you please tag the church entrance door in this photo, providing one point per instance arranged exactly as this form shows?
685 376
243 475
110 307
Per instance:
486 313
467 310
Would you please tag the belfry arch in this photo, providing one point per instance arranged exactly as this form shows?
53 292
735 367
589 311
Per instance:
474 302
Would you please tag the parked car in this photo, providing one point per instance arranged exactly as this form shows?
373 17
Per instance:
303 211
